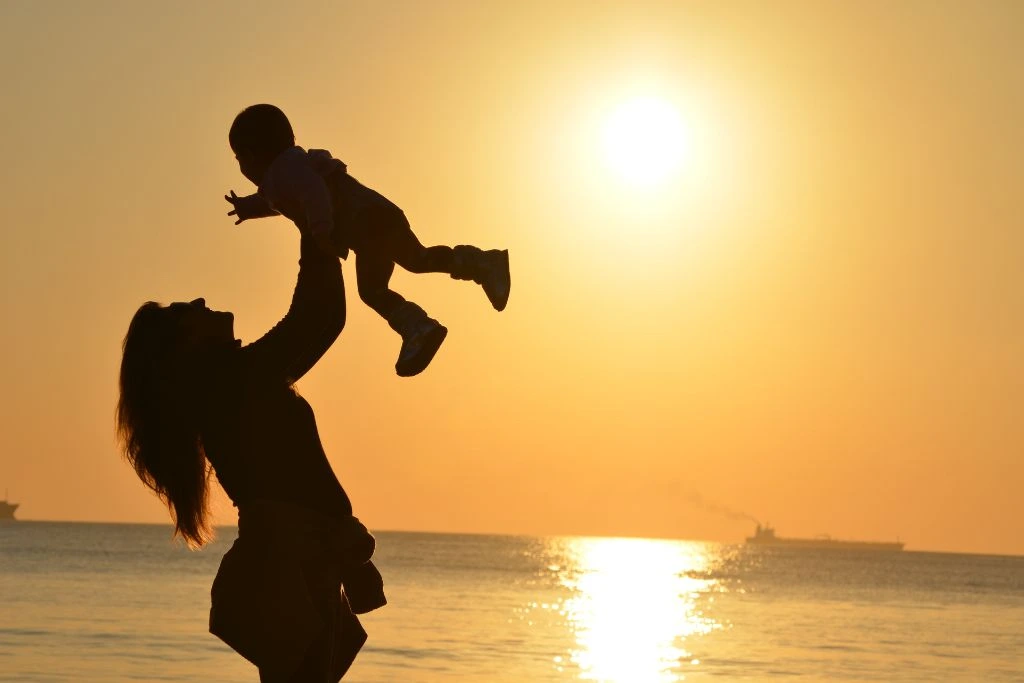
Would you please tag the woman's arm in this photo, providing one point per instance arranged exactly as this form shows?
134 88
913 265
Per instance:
314 320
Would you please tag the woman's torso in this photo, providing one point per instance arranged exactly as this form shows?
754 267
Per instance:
263 442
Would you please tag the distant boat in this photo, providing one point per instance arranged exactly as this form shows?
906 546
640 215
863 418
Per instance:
7 510
765 536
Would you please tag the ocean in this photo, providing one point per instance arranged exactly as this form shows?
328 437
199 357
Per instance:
117 602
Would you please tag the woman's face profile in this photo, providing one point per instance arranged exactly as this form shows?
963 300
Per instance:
201 325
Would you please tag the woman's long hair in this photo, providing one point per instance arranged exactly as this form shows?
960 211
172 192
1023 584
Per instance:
158 420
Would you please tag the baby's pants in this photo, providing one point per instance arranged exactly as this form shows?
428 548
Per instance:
382 239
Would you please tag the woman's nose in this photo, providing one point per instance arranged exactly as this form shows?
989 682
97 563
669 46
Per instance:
200 302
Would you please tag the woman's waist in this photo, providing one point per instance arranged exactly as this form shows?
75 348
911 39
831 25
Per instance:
293 527
318 505
298 476
269 514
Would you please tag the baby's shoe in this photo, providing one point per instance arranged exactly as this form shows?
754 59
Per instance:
422 336
489 269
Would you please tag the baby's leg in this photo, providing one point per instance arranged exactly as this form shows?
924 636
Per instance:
421 335
464 262
406 250
373 278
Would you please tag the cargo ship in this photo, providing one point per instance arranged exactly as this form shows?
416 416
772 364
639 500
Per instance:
765 536
7 510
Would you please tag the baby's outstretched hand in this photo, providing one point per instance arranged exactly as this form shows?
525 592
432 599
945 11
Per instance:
253 206
238 205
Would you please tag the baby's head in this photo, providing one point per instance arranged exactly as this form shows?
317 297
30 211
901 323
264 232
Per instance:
258 134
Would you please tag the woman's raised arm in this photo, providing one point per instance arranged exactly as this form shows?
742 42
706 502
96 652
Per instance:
313 321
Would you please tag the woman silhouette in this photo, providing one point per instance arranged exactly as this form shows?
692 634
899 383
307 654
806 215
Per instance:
194 400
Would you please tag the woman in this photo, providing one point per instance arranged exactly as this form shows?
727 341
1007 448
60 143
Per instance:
195 401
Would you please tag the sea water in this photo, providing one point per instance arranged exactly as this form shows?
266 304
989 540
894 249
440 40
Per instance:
116 602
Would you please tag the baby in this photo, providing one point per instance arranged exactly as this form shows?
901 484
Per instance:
315 191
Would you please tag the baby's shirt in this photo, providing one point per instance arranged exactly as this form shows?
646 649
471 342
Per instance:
294 186
297 186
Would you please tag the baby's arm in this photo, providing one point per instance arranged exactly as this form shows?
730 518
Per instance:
305 187
253 206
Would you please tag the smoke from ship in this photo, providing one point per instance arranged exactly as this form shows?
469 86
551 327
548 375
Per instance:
699 501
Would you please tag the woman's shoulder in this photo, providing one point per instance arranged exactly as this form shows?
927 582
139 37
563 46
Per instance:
243 371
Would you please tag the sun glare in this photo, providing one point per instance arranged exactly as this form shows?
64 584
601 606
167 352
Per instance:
635 608
645 141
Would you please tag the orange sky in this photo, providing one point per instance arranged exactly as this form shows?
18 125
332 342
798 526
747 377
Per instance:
817 321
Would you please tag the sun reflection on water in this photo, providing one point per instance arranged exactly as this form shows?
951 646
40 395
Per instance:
633 605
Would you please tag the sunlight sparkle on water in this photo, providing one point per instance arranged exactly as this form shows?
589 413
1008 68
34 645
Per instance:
634 605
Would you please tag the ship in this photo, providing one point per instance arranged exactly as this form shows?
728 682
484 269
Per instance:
7 510
765 536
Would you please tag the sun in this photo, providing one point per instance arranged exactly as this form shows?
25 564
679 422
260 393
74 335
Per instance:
645 141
